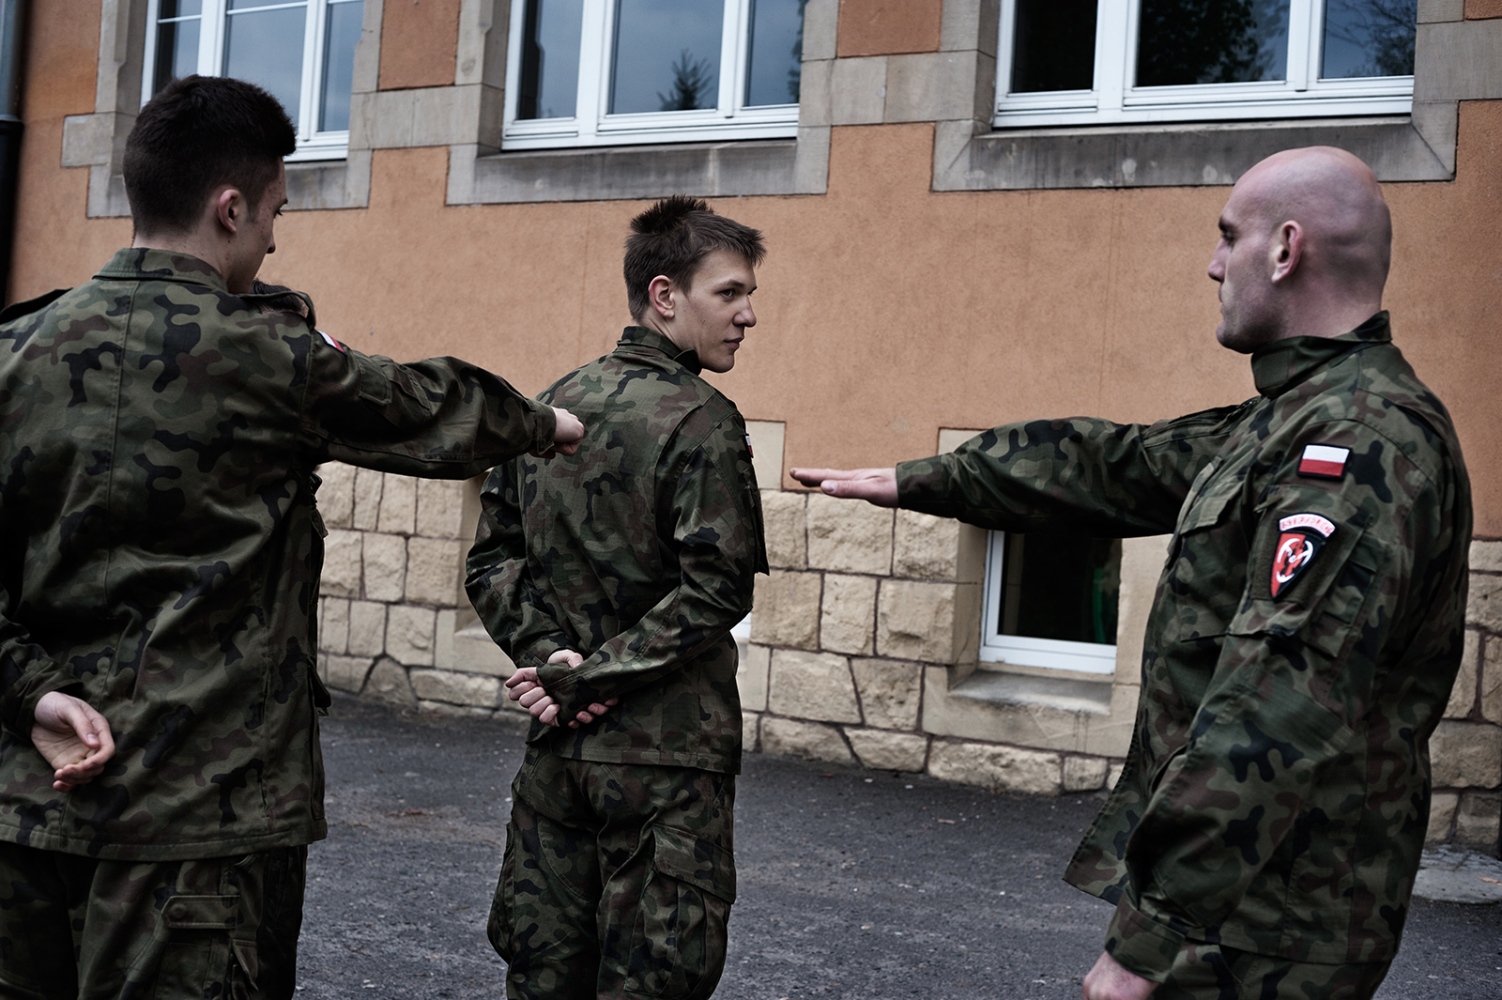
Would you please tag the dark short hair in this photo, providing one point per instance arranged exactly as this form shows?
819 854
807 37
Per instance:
673 237
198 133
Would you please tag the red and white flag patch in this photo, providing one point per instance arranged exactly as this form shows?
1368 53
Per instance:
1323 460
332 342
1300 538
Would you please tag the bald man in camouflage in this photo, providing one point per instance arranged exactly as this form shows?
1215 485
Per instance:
1264 836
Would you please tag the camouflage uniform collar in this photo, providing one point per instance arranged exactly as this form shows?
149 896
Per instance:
1278 368
639 337
161 265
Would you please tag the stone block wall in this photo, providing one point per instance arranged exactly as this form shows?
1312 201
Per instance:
1466 753
867 621
394 622
862 650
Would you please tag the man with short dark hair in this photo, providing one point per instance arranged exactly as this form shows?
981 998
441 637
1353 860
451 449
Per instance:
160 775
612 578
1308 625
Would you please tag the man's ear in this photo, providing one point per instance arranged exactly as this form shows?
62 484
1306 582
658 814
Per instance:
1286 249
229 209
661 296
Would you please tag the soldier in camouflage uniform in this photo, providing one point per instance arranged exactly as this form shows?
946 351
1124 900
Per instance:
1264 837
612 579
160 774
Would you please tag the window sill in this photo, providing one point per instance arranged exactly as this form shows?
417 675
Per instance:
1166 155
707 169
1033 689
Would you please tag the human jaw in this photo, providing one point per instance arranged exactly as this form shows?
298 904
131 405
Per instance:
716 310
257 236
1239 267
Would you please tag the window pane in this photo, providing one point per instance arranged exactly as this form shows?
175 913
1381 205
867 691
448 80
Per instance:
1368 38
549 82
1054 47
341 32
176 52
667 56
1212 41
265 47
1060 587
179 8
776 57
252 4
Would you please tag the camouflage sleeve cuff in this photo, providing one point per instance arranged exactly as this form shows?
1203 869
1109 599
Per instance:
1141 944
920 482
544 425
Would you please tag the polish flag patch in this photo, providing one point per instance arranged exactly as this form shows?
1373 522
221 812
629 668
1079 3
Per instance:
332 342
1326 461
1300 539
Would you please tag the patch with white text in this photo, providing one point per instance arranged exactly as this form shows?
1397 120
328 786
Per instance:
1300 539
1324 461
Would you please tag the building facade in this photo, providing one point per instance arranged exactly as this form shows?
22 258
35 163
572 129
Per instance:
977 211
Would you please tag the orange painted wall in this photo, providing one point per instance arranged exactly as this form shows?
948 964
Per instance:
886 27
54 244
1478 9
886 311
419 43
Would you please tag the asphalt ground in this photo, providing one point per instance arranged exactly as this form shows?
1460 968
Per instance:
851 883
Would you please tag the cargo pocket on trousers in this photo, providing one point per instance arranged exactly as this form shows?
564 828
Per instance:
208 949
500 927
678 942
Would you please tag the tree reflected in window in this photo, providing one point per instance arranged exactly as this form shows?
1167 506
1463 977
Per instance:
1211 41
1368 38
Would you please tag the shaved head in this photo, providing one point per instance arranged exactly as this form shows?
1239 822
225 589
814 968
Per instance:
1337 199
1306 241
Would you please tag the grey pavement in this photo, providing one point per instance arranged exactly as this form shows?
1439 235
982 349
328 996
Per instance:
852 883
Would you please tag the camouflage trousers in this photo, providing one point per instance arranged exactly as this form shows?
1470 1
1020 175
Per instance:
617 880
77 928
1214 972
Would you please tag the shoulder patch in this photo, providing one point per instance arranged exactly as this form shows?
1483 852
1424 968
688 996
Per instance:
1300 538
332 342
1324 461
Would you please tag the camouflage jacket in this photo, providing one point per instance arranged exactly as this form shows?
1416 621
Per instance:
638 553
1301 648
158 437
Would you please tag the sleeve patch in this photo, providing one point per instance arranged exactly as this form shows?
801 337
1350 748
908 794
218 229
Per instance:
1323 460
332 342
1300 539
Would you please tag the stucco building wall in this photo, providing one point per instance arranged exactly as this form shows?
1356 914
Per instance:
890 311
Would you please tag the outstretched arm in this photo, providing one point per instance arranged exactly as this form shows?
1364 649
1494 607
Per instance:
878 486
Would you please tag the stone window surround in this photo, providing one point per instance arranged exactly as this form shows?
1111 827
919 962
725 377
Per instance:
467 118
954 88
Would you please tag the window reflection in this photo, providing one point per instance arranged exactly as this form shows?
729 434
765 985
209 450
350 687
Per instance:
667 56
266 48
340 34
1054 47
774 75
1368 38
176 50
549 81
1212 41
1064 587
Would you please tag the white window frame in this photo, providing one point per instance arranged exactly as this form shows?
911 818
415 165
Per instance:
311 143
1114 100
1025 651
592 126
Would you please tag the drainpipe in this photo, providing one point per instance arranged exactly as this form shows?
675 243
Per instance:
12 45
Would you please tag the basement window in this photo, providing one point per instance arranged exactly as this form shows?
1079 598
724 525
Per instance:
1051 601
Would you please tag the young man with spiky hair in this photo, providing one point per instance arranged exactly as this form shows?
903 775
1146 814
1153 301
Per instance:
612 578
160 776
